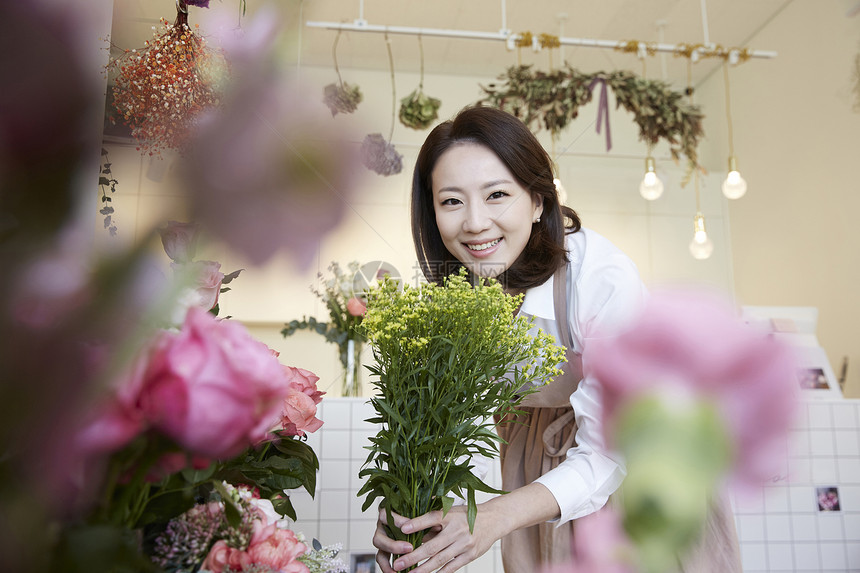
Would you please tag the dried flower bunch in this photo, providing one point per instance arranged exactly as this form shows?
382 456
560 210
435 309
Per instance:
552 100
380 156
342 97
448 358
418 110
161 90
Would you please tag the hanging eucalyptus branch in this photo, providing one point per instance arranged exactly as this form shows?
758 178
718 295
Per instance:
551 100
107 182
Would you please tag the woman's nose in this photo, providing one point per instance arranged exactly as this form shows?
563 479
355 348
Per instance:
477 219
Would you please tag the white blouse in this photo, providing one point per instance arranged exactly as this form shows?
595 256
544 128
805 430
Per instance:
605 294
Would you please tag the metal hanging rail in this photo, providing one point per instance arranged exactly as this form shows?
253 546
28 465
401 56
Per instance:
511 39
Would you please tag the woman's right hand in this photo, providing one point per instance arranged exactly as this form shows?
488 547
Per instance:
387 546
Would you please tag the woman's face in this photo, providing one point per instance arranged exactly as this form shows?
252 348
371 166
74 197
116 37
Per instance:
484 216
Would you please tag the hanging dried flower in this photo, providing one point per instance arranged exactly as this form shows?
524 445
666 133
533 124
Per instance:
161 90
380 156
552 100
342 97
418 110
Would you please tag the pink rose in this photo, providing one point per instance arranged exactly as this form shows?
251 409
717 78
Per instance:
208 278
179 240
300 405
279 551
304 381
217 559
211 387
356 307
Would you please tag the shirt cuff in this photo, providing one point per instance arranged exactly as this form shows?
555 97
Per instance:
572 493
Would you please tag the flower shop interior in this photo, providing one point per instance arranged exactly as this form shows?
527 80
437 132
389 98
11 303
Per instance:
770 89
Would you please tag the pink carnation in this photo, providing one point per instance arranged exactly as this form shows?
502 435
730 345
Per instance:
278 549
691 343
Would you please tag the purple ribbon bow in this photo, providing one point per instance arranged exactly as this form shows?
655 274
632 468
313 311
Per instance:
603 109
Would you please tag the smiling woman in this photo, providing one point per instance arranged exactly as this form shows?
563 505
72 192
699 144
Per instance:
483 199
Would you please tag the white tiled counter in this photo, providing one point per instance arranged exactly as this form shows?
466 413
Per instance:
334 515
780 527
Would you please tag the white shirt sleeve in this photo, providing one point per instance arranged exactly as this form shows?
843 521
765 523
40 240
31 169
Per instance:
607 295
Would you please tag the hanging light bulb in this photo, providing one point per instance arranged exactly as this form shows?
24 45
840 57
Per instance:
734 186
701 246
651 187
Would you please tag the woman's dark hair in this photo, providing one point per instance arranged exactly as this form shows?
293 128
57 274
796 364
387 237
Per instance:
526 159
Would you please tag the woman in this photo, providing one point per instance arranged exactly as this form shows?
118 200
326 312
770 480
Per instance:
483 197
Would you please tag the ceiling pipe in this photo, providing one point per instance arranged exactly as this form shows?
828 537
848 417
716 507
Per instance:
509 39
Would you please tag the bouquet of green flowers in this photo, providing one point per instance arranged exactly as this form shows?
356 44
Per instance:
448 358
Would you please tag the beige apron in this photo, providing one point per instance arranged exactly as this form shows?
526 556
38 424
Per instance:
538 442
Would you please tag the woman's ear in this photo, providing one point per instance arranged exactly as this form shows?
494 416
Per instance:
538 207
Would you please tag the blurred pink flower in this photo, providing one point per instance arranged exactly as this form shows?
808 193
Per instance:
173 462
212 387
356 307
269 170
300 405
691 343
179 240
600 545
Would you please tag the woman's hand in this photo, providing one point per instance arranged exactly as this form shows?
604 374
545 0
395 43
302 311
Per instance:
448 545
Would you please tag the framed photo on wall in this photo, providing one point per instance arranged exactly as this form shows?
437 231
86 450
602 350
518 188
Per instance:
815 377
363 563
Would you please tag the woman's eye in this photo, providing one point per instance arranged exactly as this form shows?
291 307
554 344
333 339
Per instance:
497 194
450 201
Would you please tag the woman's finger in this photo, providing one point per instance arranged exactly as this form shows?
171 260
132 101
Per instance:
383 559
426 521
383 542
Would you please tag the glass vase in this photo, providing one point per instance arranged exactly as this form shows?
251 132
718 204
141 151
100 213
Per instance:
352 368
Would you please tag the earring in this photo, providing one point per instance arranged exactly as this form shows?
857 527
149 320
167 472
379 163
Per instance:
537 220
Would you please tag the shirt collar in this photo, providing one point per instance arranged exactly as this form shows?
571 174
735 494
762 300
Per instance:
538 301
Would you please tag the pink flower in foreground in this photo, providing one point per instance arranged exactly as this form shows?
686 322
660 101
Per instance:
356 307
212 387
600 545
692 344
269 170
300 405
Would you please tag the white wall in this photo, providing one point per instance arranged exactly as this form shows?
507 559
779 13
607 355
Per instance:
798 145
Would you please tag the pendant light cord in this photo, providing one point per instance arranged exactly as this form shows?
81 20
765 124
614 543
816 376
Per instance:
393 91
334 57
728 108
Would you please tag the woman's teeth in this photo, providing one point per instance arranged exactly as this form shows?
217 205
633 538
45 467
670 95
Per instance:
484 246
